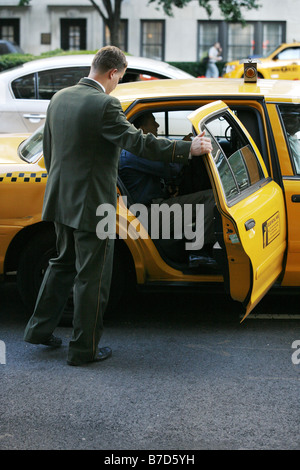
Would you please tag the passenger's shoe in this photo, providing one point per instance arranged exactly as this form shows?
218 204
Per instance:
203 260
103 353
52 342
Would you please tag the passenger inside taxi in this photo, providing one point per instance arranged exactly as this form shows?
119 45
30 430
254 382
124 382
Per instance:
291 121
153 182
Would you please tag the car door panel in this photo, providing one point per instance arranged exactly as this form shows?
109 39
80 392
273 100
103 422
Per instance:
251 206
32 113
291 184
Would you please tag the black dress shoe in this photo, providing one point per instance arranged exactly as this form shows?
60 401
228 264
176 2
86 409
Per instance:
103 353
52 342
203 260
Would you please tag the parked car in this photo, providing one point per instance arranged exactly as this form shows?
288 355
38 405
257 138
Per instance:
283 63
25 91
254 174
8 47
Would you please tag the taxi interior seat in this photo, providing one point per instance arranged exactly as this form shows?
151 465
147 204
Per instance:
173 251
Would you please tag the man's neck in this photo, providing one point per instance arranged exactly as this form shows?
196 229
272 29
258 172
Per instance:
99 83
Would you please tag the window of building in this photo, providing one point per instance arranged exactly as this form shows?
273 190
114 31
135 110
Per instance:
208 34
73 34
272 36
10 30
153 39
123 35
240 41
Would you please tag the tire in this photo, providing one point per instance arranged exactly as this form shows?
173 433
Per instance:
34 262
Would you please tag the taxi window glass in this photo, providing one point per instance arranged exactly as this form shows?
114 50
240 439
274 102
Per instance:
290 53
291 120
173 123
24 87
31 149
235 159
51 81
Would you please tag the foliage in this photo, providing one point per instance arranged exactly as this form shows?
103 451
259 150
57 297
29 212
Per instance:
110 11
7 61
230 9
197 69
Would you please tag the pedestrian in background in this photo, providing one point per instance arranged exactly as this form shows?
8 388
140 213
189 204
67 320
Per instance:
214 55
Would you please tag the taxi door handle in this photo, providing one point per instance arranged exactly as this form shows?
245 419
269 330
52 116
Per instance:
296 198
34 116
249 224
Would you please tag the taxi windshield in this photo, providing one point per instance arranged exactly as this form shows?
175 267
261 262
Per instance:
31 149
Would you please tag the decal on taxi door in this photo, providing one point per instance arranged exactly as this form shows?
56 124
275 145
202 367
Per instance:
271 229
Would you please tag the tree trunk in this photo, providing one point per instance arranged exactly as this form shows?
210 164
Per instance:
111 19
114 27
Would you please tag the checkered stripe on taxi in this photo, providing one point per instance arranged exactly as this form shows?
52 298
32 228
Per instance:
19 177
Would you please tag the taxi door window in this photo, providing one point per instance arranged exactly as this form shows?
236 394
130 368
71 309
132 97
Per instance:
173 123
289 54
235 159
290 115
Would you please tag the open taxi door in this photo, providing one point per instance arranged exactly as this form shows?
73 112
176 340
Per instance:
252 222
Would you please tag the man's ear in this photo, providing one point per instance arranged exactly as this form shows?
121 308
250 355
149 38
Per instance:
111 73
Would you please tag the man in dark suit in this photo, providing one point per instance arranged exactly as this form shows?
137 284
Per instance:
84 131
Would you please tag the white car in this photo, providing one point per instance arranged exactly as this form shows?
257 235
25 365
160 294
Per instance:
25 91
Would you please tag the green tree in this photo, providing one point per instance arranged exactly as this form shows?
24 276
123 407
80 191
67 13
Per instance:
111 15
110 10
231 10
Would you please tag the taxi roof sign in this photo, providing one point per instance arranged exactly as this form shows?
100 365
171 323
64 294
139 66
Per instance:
250 70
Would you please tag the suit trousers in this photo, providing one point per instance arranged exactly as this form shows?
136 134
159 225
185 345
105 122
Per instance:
206 198
84 263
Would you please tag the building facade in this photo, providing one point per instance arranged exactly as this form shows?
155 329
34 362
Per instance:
146 31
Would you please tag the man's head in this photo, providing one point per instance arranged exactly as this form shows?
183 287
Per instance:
108 67
147 123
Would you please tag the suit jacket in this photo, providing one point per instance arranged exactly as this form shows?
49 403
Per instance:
84 131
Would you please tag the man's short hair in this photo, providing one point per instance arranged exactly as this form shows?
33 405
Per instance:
142 119
109 57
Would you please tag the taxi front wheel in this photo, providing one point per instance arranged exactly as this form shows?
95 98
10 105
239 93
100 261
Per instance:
34 262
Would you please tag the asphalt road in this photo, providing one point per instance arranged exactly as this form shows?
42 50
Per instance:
185 375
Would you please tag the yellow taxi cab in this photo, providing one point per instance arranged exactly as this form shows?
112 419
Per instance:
283 63
253 170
